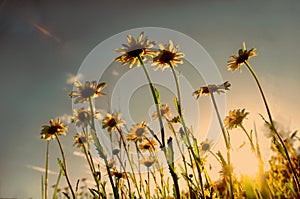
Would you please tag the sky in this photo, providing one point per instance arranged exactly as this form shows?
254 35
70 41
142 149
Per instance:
43 43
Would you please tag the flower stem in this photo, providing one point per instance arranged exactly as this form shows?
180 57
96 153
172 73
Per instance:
249 138
130 162
272 124
46 170
91 167
93 129
65 166
178 90
226 138
155 98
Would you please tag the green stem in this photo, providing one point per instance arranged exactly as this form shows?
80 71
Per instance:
46 170
148 175
273 126
65 166
123 167
56 185
115 190
92 168
129 159
249 138
156 103
226 143
178 90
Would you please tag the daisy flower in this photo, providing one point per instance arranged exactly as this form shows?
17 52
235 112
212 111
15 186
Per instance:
135 49
89 90
243 55
169 55
112 121
148 144
81 139
207 90
55 128
235 118
164 112
148 162
137 132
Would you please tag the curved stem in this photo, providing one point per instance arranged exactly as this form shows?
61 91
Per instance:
130 163
156 103
93 129
249 138
272 125
65 166
226 138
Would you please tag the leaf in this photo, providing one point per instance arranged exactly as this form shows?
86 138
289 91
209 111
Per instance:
98 145
56 185
61 166
156 95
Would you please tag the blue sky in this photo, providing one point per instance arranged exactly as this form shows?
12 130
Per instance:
34 66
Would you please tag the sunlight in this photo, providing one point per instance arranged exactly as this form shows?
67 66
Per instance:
245 162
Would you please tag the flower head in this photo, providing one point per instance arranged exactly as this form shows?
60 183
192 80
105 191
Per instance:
206 146
148 162
168 56
207 90
90 90
137 132
164 112
56 128
118 174
235 118
243 55
111 164
81 139
134 50
148 144
81 117
112 121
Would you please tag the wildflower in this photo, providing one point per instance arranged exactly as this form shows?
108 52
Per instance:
164 112
118 174
207 90
112 121
206 146
90 90
56 128
235 118
169 56
111 164
116 151
243 56
137 132
134 50
81 117
148 144
81 139
148 162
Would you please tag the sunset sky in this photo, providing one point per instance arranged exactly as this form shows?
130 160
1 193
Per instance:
43 43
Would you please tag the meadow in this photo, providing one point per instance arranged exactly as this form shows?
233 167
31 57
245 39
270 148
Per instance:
143 162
